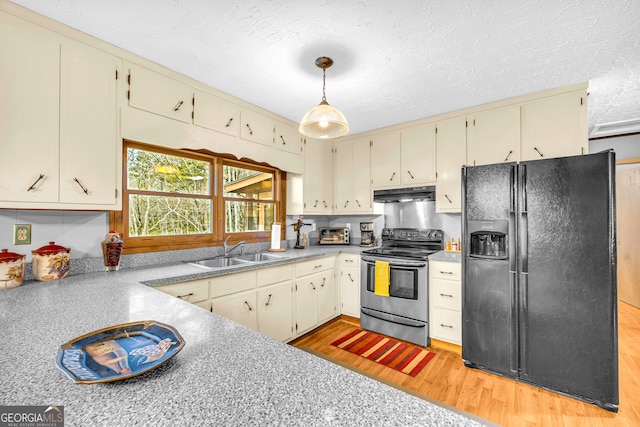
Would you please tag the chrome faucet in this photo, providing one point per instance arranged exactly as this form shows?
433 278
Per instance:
228 249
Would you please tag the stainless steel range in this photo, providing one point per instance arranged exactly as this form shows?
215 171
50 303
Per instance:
404 313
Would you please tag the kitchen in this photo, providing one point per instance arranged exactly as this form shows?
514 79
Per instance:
66 225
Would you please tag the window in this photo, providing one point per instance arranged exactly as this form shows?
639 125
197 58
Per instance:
175 199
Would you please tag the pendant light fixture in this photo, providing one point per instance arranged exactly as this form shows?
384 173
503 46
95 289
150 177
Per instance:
324 121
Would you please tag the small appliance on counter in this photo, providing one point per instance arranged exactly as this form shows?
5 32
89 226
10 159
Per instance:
334 236
367 236
50 262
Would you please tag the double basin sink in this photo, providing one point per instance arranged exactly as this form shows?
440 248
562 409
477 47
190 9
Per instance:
232 260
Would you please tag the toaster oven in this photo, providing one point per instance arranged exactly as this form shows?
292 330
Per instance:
333 236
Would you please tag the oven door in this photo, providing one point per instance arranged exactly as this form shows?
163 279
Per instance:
408 287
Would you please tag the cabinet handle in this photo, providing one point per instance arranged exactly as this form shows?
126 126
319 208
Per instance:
317 266
538 151
229 122
250 131
508 155
313 286
346 203
351 278
446 272
316 204
446 295
409 172
190 294
358 203
268 300
178 105
447 197
446 326
283 141
325 203
33 186
348 260
323 280
250 308
392 175
81 186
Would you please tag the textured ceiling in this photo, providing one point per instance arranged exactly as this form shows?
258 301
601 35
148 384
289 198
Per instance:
395 61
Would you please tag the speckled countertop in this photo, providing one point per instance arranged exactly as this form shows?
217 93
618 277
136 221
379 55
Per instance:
446 256
225 375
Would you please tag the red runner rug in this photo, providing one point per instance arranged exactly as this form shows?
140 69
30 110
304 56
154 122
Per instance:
402 357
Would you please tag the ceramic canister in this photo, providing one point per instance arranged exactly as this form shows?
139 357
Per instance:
11 269
50 262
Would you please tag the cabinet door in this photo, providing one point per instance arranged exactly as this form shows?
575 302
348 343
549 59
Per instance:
385 160
159 94
306 301
240 307
450 153
275 310
89 144
327 304
555 127
29 107
361 177
215 113
418 155
493 136
343 173
350 290
318 176
256 128
287 138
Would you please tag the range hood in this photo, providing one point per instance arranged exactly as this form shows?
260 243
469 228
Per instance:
395 195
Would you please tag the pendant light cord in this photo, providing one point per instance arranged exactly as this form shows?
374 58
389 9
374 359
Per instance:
324 97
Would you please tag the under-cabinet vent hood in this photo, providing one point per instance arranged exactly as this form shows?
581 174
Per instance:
395 195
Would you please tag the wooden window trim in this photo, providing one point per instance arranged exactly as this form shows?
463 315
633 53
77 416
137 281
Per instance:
118 219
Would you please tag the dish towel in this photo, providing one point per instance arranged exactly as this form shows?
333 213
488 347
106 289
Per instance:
381 286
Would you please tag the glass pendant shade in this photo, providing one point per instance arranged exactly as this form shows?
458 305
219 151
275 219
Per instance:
324 122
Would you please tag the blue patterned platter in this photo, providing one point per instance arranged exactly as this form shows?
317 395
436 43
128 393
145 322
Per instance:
118 352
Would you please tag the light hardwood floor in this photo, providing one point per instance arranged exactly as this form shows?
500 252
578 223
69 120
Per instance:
497 399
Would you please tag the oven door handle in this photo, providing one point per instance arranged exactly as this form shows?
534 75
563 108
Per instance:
395 262
391 318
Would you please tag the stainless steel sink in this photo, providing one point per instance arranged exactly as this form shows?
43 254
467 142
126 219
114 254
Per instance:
261 256
220 262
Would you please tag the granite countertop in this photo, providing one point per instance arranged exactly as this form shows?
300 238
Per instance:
225 375
446 256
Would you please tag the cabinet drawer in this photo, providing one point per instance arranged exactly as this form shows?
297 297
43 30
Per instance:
446 325
193 291
350 260
232 283
446 270
446 294
313 266
268 276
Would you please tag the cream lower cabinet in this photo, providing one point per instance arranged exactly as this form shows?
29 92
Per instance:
194 291
316 298
240 307
445 301
275 301
350 284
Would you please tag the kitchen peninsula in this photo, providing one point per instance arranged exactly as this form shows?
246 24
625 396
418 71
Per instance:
225 375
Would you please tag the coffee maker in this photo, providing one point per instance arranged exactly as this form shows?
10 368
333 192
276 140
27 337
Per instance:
367 237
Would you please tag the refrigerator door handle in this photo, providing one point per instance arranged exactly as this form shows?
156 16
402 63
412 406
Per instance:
523 186
524 324
514 349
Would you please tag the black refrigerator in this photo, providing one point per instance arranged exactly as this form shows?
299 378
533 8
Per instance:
539 274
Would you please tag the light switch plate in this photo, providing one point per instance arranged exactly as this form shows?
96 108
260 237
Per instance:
21 234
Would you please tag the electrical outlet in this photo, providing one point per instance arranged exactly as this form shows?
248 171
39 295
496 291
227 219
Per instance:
21 234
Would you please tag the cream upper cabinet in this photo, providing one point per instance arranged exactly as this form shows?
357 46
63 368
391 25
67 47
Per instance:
418 155
450 152
212 112
59 118
555 126
493 136
385 160
352 180
256 128
29 106
287 138
90 149
159 94
318 176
